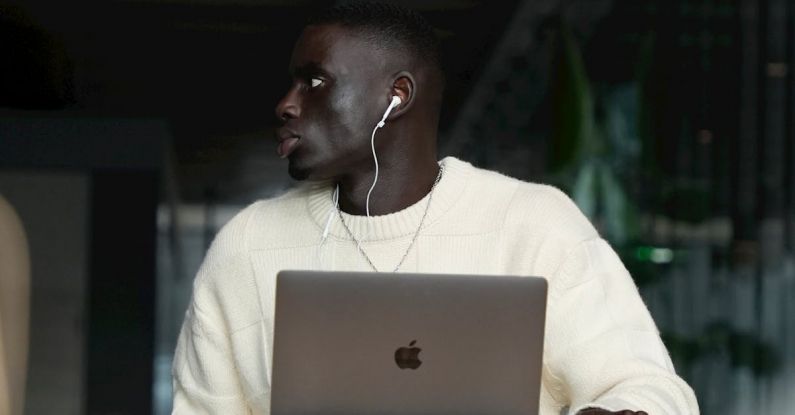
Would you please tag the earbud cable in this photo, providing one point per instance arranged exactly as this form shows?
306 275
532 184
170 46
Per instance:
335 202
375 178
369 192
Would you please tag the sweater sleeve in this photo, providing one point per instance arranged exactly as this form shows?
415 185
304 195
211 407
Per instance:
603 348
205 377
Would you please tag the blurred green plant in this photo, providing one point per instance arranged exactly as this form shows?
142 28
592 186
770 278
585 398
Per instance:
742 348
574 135
581 160
579 153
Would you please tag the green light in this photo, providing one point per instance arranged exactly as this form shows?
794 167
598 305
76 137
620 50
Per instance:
643 253
654 254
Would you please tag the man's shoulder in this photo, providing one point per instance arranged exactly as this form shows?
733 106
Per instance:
263 224
550 209
523 189
523 193
268 222
271 209
542 207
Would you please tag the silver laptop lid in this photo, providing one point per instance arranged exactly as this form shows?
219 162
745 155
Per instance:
365 343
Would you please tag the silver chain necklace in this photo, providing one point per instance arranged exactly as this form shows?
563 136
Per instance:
413 239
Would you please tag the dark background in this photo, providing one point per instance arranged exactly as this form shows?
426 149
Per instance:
135 128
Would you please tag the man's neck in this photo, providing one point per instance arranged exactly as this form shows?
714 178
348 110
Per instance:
400 185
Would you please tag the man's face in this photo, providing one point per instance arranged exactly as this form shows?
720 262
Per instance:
338 87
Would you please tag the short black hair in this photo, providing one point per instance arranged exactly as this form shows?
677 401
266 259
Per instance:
389 25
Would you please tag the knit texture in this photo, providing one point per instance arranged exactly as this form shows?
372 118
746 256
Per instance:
601 347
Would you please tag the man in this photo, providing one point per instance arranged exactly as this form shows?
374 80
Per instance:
602 351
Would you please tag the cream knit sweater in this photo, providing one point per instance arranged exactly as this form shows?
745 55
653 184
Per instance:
602 348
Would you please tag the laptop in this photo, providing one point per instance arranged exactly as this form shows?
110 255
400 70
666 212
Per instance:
365 343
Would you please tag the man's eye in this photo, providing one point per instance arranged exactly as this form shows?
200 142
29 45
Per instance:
315 82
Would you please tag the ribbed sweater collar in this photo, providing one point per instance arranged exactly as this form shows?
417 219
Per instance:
394 225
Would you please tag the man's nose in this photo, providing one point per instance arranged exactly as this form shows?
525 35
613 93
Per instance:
289 107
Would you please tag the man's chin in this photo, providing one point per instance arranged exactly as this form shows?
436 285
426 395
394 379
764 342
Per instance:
297 172
301 167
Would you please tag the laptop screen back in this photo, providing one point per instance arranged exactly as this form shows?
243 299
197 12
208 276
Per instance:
366 343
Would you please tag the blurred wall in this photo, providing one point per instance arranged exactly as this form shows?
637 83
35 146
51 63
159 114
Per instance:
89 189
53 207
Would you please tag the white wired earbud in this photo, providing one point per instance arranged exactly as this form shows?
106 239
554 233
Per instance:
395 102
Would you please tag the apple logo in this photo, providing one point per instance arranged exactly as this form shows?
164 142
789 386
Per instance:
408 357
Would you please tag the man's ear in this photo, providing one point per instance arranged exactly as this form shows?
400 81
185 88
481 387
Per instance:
404 87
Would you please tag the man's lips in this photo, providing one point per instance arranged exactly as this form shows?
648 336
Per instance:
287 146
288 140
